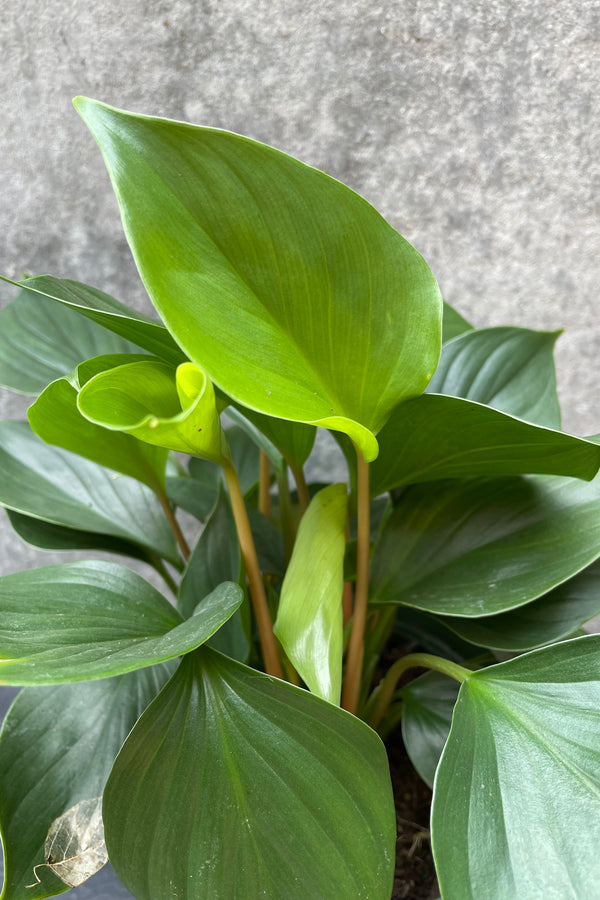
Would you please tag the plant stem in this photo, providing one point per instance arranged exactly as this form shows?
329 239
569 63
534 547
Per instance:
264 484
255 582
301 486
174 524
384 692
356 649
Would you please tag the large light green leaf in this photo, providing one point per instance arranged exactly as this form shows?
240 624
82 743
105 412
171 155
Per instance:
153 402
56 419
309 619
475 548
57 747
84 620
433 437
427 705
237 785
52 484
93 304
294 294
517 793
511 369
40 341
556 615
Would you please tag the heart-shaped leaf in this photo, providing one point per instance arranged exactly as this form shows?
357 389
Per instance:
427 705
40 341
153 402
52 484
56 419
434 437
85 620
516 801
476 548
511 369
235 784
293 293
554 616
309 619
93 304
57 747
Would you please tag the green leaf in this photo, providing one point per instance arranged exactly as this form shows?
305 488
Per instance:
554 616
244 786
453 323
198 493
294 440
85 620
434 437
309 620
245 456
511 369
427 704
217 558
258 438
56 419
517 793
482 547
57 747
48 536
52 484
293 293
152 401
93 304
268 541
40 341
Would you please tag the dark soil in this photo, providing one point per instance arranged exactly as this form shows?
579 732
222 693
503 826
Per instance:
415 873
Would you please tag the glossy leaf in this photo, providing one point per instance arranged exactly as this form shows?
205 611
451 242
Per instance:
475 548
309 619
171 408
292 292
427 705
553 617
453 323
52 484
197 494
57 747
245 786
434 437
40 341
49 536
56 419
517 793
85 620
217 558
511 369
103 309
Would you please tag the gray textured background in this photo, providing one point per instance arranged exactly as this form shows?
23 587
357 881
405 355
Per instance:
472 126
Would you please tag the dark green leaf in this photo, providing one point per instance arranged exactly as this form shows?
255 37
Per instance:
427 705
57 747
245 456
517 793
453 323
52 484
292 292
198 493
294 440
244 786
475 548
144 332
86 620
552 617
40 341
511 369
434 437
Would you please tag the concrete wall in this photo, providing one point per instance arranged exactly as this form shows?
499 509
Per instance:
472 126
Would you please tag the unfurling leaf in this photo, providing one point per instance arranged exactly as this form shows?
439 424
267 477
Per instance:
75 848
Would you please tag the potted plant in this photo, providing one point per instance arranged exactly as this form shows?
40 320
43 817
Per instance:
226 742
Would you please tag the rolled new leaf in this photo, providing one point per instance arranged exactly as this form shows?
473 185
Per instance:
293 293
516 800
87 620
153 402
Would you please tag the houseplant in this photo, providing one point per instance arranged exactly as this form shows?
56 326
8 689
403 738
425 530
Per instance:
229 738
